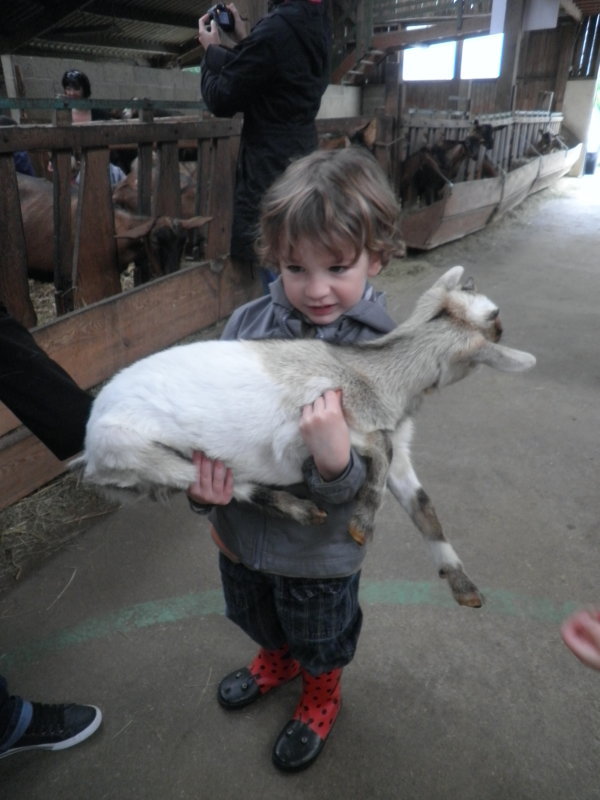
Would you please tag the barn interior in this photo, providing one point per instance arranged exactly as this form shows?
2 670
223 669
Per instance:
143 56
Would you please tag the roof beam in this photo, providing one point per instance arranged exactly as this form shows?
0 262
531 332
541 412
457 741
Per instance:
106 8
444 31
112 43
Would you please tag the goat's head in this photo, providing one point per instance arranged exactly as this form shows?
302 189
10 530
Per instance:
471 326
485 133
163 240
472 143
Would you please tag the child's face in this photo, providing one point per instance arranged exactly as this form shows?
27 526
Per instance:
322 286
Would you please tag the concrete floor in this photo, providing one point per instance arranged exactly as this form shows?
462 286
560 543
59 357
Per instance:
441 702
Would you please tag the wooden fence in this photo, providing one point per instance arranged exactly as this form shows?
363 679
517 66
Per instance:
514 132
114 328
102 329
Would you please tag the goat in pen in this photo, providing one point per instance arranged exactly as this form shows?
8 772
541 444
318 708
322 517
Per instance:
239 401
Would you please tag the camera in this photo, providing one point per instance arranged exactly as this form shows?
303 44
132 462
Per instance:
222 16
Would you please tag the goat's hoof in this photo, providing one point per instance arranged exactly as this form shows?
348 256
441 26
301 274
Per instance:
472 600
317 517
356 533
462 587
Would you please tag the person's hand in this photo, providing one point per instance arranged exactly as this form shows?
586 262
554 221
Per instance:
213 484
325 432
208 32
581 634
240 30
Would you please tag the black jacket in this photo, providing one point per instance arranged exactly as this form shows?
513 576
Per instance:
276 76
39 392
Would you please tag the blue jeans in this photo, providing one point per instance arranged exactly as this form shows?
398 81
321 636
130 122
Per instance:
15 716
320 619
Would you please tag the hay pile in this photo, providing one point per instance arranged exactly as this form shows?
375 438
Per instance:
41 524
42 296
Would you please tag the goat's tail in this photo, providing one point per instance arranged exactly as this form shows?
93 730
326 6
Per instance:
121 457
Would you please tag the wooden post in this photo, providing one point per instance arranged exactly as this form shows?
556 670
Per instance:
97 275
507 82
10 83
168 189
63 231
392 110
145 189
14 286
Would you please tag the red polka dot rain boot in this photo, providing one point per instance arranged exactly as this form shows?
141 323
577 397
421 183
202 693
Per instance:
303 738
269 669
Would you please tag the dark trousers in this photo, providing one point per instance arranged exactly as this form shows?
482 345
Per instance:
15 715
39 392
320 619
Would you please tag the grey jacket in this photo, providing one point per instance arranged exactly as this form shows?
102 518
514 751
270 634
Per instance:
282 546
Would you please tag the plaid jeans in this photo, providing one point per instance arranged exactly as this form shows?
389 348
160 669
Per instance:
320 619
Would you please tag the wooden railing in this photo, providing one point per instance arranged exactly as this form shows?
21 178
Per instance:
116 327
514 132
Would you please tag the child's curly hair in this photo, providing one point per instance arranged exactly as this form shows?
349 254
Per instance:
335 198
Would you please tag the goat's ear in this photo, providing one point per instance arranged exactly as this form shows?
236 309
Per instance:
141 230
451 279
369 133
193 222
506 359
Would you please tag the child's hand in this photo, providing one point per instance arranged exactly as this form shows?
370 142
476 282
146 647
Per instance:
325 432
581 634
213 484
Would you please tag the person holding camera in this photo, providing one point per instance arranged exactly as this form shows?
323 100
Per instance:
276 76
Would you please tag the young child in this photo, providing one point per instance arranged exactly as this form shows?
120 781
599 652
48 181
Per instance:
328 224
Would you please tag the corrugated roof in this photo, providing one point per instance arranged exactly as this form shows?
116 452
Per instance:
158 32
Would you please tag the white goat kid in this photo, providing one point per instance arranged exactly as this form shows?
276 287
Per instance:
240 401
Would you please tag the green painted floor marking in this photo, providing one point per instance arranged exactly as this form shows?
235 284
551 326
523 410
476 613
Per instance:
372 593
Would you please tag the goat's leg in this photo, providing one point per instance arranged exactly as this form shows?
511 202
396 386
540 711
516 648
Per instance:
406 488
280 503
378 454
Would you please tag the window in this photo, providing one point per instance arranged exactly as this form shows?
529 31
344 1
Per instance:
430 63
481 57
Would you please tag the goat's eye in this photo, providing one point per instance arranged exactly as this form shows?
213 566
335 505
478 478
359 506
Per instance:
493 314
469 285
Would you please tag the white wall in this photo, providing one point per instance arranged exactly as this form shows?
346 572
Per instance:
109 80
340 101
577 108
120 81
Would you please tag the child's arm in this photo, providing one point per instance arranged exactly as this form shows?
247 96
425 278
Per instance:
581 634
325 432
327 437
